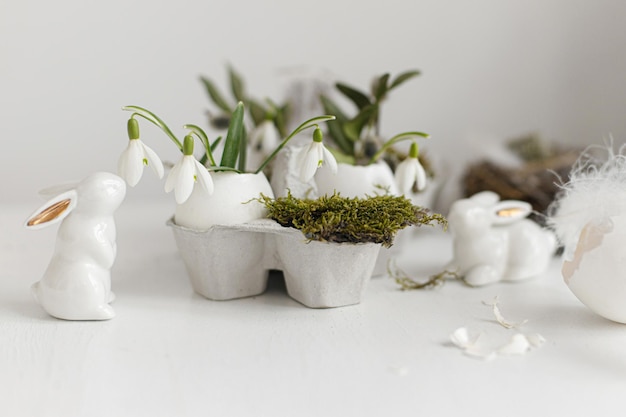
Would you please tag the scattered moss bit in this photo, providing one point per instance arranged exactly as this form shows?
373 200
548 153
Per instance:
407 283
355 220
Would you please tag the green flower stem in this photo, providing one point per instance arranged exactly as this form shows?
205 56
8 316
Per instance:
204 139
309 123
397 138
151 117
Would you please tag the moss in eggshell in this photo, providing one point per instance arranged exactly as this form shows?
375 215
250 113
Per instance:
340 219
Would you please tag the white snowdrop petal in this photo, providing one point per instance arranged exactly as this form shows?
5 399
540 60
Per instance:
405 175
420 176
329 159
153 160
185 180
172 177
518 345
203 176
319 150
130 164
309 163
271 137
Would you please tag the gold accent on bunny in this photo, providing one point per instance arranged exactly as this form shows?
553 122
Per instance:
50 213
509 212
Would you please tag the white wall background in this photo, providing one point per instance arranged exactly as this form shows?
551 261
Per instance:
491 69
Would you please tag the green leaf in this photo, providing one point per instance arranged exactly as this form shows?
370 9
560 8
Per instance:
335 128
405 76
380 87
233 138
406 136
257 111
360 99
215 143
237 85
309 123
243 150
353 128
154 119
398 138
216 96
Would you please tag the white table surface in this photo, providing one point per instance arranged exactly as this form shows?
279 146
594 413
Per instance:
170 352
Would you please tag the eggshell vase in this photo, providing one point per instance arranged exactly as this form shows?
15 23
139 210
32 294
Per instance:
595 269
232 201
356 180
233 261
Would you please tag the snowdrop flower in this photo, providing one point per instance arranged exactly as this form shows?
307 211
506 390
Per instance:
410 171
313 156
136 156
186 172
265 137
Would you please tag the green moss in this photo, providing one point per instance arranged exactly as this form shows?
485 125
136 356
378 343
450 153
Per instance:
355 220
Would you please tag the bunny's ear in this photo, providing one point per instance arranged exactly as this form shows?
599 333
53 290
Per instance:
485 198
53 211
55 190
510 211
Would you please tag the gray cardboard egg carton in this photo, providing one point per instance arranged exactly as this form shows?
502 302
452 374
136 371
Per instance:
228 262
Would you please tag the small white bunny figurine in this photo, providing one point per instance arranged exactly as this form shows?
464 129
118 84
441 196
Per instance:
493 241
77 283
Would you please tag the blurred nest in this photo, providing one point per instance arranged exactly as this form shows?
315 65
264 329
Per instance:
536 180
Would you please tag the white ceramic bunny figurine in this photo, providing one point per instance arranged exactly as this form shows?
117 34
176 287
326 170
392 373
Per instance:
77 283
493 241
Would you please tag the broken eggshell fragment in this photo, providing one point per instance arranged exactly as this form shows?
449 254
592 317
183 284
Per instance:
595 271
589 217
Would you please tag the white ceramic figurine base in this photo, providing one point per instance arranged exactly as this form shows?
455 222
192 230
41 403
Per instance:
77 283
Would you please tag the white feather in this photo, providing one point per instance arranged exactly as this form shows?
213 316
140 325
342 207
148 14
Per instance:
596 191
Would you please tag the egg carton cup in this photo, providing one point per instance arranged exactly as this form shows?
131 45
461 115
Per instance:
227 262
